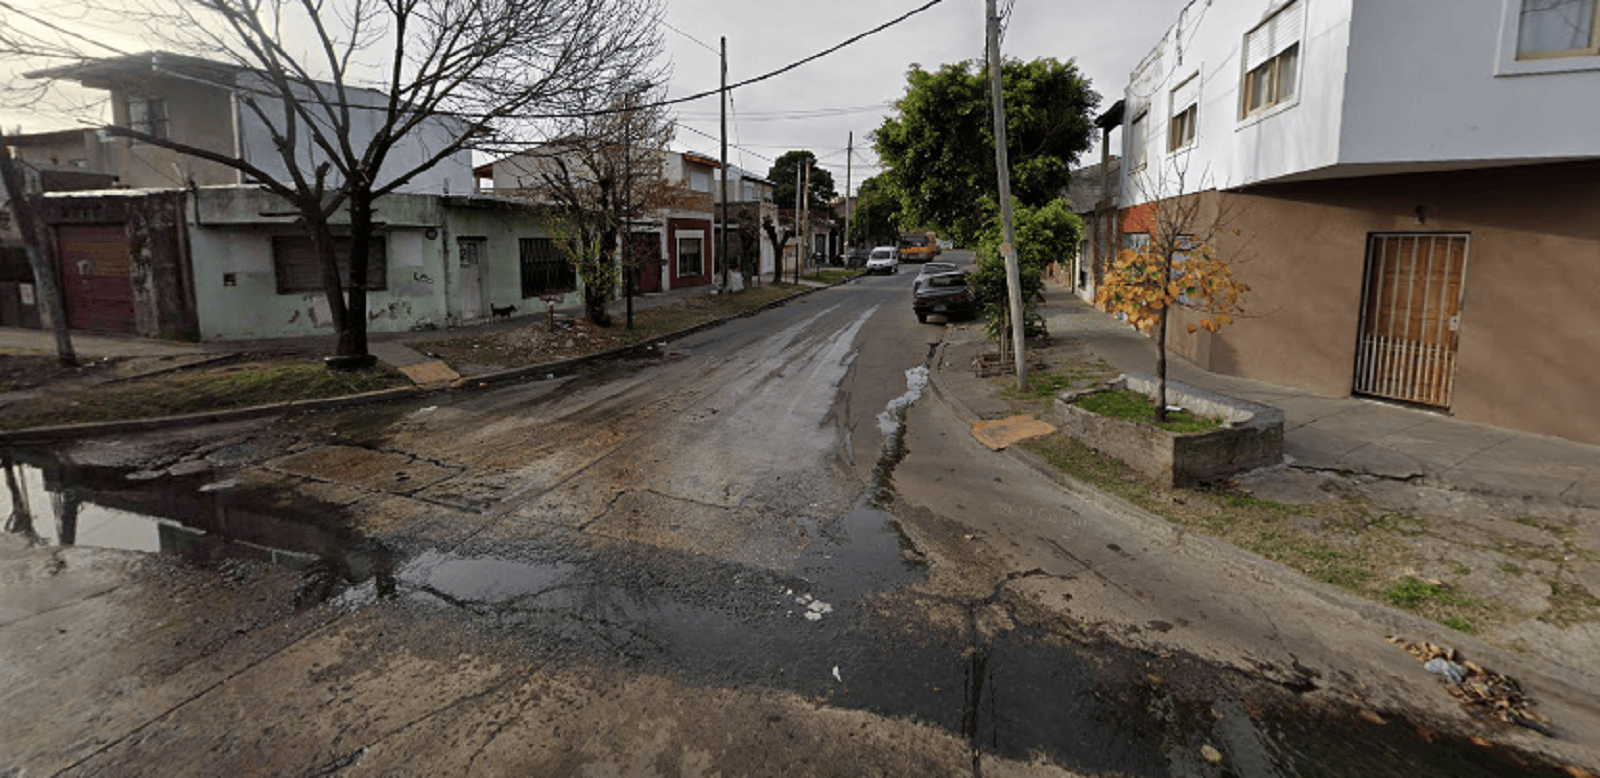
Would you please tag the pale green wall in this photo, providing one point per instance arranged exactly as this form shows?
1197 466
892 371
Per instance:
424 275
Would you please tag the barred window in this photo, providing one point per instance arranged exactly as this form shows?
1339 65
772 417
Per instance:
148 115
298 267
544 270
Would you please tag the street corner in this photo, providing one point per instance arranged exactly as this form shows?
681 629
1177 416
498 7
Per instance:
1002 433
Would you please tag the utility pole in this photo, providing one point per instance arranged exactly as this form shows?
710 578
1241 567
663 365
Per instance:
1008 246
849 154
805 221
799 237
722 250
47 293
628 258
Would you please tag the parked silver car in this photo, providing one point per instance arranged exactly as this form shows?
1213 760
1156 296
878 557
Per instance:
931 269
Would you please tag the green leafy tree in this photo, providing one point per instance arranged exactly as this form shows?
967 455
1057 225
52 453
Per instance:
782 177
939 150
877 214
1046 234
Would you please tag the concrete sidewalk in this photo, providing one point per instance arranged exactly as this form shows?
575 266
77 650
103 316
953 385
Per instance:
1347 434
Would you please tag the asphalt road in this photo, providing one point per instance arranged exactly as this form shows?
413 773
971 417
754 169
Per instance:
766 550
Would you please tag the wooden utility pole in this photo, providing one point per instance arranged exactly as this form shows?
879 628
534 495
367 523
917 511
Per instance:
1008 246
805 223
799 236
849 154
47 293
722 250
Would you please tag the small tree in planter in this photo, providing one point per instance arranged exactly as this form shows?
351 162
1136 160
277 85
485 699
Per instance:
1179 267
1045 234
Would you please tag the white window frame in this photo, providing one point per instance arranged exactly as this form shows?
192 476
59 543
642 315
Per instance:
1272 62
1138 154
679 237
1184 104
1507 63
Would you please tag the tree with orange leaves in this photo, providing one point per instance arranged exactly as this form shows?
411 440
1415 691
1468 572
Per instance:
1179 267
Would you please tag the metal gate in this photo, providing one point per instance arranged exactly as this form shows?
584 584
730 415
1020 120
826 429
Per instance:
96 271
1411 317
472 250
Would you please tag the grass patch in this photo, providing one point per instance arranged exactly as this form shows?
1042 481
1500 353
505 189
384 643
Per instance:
1341 543
1510 569
210 389
1459 624
1133 406
831 276
1459 569
1569 605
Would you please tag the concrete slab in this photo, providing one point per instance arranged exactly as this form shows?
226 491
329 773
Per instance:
1381 461
1444 441
1318 448
1001 433
431 373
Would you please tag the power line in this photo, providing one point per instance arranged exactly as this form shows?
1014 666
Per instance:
702 43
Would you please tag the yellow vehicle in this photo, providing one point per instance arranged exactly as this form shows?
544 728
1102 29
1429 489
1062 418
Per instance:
918 246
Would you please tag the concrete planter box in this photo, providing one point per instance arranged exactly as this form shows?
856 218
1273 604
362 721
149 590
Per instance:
1251 435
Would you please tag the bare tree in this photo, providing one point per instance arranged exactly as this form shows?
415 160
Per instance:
778 240
601 176
25 213
347 91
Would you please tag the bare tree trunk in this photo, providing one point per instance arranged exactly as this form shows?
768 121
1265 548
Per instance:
351 351
1161 366
47 293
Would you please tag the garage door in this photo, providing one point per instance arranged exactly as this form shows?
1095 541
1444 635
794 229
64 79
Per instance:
95 270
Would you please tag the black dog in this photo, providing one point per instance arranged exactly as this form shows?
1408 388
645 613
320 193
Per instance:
502 313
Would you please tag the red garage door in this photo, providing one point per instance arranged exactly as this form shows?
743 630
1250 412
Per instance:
95 270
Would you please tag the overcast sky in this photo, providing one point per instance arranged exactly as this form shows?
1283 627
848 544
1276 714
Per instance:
818 105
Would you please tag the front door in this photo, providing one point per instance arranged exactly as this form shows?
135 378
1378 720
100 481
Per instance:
647 258
1411 317
471 278
96 271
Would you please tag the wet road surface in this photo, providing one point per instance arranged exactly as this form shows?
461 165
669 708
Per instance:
738 557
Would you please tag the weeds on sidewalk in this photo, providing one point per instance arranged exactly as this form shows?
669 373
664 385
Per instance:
831 276
1345 543
214 387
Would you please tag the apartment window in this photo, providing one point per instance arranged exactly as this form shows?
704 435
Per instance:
1136 141
148 115
699 180
298 266
1272 60
1185 113
1558 28
690 259
544 270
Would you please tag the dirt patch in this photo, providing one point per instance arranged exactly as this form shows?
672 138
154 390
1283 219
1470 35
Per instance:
22 371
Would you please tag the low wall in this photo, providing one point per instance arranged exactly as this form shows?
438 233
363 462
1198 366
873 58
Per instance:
1250 437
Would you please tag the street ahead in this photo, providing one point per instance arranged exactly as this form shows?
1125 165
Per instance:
766 550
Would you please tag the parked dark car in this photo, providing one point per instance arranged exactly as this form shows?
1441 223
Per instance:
946 294
855 256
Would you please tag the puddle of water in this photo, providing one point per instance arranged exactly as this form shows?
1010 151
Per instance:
1017 695
58 505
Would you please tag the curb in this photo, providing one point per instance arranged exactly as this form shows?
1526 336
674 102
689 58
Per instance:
92 429
1261 569
70 431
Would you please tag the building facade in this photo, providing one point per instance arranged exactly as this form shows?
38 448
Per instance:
1411 186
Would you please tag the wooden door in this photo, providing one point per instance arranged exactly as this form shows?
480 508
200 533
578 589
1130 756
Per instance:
95 269
1411 317
647 256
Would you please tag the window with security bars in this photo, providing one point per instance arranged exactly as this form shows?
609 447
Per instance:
1272 61
1558 28
298 266
544 270
1185 114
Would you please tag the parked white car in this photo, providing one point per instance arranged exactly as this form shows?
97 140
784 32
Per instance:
884 259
